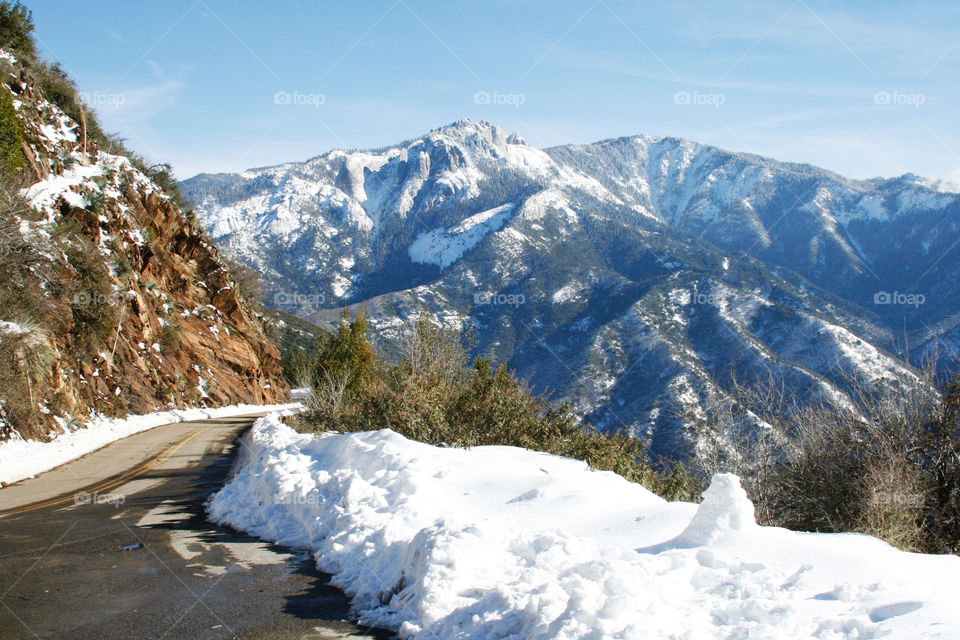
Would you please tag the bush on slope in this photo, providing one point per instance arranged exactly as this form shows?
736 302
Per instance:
433 395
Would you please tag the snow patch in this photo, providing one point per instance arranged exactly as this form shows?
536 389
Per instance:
443 247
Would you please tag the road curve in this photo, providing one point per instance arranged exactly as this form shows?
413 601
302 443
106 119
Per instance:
116 545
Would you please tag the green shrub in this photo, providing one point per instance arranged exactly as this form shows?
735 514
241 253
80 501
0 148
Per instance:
11 135
162 174
169 338
96 202
296 366
30 283
26 359
431 395
58 88
91 296
121 266
345 355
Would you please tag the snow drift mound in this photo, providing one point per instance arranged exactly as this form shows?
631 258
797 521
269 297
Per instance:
499 542
725 511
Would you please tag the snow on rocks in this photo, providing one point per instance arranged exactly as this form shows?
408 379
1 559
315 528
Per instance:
44 194
21 459
499 542
11 328
443 247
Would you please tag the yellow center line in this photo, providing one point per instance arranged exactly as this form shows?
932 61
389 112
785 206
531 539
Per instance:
160 458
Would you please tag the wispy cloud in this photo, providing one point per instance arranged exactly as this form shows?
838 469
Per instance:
604 62
133 104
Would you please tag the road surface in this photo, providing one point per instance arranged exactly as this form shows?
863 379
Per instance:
116 545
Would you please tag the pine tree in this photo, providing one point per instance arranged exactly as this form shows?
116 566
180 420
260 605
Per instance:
16 29
346 354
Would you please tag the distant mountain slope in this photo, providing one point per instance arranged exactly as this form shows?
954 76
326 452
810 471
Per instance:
852 237
630 276
112 300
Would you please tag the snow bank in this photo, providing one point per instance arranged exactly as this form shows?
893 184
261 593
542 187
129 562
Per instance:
499 542
21 459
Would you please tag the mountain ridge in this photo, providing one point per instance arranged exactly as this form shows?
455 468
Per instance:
706 256
941 186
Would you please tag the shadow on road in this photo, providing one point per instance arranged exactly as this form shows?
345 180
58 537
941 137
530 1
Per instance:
155 567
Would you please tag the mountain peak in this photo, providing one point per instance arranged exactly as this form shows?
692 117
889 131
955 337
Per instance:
466 127
516 138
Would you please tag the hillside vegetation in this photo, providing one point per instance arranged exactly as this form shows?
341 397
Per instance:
886 464
112 299
432 393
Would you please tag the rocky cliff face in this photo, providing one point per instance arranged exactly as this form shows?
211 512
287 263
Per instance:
112 300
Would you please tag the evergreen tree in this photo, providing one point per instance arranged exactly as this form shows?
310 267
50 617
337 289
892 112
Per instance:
16 29
345 355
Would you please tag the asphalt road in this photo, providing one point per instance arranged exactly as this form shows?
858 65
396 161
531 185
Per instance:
116 545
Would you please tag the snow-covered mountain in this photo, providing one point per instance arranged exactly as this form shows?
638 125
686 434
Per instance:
851 237
630 276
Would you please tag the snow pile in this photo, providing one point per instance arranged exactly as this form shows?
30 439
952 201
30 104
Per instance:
21 459
499 542
726 512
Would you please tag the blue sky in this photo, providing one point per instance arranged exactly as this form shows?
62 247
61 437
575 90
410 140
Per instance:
863 88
